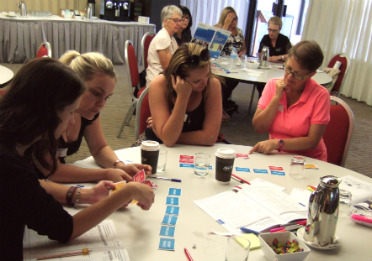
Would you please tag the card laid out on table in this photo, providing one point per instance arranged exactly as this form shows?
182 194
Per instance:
262 171
174 192
172 210
242 155
275 168
169 220
166 244
311 166
173 201
167 231
186 159
243 169
279 173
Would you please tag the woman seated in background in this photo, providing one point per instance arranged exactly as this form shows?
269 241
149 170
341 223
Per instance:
228 21
295 110
184 33
163 46
185 100
37 109
98 74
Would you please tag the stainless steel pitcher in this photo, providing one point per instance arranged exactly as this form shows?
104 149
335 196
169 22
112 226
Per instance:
323 212
264 58
22 8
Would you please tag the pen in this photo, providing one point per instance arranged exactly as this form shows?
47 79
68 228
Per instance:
174 180
247 230
239 178
84 251
188 255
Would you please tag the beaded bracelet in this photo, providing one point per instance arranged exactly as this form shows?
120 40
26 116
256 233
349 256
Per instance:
117 162
77 199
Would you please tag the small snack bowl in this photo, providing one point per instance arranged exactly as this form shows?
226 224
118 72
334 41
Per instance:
267 239
252 64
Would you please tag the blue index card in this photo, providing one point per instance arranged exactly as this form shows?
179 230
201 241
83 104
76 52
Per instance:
173 201
243 169
166 244
172 210
169 220
174 192
262 171
186 165
279 173
167 231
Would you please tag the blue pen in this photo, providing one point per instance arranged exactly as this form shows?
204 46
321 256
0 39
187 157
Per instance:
174 180
247 230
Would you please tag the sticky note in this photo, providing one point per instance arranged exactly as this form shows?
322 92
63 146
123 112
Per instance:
166 243
262 171
279 173
186 165
255 241
243 169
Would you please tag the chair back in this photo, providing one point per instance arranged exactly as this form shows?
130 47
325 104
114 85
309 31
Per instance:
142 112
131 67
145 43
343 69
44 50
338 132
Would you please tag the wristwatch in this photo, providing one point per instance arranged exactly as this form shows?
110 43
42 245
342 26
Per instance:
280 144
282 57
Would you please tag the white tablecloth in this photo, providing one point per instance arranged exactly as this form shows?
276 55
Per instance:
20 37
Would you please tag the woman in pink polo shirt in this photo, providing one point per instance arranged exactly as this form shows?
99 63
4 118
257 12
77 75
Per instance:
295 109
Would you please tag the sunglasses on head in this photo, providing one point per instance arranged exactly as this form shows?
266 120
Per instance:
194 60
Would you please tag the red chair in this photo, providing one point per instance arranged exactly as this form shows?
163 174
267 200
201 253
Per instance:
343 70
338 132
133 81
145 43
44 50
142 112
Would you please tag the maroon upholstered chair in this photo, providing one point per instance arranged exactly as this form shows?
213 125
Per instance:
44 50
343 70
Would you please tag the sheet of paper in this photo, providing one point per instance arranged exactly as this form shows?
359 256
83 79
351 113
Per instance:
359 189
100 238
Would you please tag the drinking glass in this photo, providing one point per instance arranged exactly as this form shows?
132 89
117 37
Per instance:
201 164
237 249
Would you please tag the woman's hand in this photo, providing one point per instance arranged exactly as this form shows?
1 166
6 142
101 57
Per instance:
228 20
182 88
265 146
98 192
133 169
116 175
143 193
281 86
149 122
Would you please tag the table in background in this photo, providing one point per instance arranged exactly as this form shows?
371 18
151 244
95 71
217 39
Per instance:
139 230
5 75
20 37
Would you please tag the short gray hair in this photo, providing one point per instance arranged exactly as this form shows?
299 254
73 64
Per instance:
168 11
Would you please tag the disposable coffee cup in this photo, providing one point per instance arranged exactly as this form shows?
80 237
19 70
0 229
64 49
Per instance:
150 154
224 164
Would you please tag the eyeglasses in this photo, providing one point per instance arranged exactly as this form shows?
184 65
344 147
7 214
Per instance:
185 18
176 20
272 30
295 75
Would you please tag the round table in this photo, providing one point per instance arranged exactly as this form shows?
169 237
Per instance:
139 230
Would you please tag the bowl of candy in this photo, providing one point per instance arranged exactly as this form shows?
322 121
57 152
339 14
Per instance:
283 246
251 64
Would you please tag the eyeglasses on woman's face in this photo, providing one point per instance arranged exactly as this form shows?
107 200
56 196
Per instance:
295 75
176 20
185 19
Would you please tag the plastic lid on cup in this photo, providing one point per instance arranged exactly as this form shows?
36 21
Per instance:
225 153
150 145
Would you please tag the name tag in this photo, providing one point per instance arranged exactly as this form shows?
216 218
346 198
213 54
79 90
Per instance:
62 152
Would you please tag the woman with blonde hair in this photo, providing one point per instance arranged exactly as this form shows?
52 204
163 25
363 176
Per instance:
185 100
97 72
228 21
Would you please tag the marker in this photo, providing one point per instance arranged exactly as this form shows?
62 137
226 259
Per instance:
311 188
239 178
247 230
174 180
188 255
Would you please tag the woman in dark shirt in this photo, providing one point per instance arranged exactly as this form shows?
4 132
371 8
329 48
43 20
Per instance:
185 101
184 33
35 111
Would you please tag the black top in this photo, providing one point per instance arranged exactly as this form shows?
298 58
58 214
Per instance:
23 202
185 37
193 122
281 47
73 147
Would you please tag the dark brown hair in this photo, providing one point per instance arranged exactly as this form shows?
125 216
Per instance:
29 111
308 54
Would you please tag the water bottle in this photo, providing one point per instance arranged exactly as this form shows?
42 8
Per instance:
233 58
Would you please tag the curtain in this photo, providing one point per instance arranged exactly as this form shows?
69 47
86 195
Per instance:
344 26
209 11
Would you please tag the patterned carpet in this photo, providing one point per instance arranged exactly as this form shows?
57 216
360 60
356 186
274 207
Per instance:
237 130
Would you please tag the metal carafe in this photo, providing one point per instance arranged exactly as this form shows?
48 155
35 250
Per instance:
323 212
264 58
22 8
89 12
